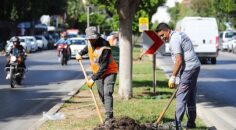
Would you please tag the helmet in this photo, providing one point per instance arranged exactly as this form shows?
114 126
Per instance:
15 39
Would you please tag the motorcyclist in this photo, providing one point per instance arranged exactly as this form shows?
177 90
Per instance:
62 40
20 51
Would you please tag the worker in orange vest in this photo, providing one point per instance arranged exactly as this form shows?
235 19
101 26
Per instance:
103 66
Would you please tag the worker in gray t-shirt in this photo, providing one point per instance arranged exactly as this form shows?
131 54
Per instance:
187 66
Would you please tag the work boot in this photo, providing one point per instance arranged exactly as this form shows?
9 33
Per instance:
190 125
108 121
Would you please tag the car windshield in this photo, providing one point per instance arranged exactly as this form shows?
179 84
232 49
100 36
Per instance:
31 40
77 42
229 34
22 40
71 35
38 38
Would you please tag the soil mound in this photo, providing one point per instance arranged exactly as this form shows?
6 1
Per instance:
127 123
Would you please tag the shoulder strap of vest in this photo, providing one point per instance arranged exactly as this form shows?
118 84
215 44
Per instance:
105 47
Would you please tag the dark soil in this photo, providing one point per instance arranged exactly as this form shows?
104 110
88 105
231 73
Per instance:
127 123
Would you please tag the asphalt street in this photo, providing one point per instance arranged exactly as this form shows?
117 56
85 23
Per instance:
46 83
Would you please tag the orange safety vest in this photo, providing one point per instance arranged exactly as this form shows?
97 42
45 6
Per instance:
94 56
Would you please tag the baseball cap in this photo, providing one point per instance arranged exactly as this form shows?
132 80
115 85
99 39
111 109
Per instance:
91 33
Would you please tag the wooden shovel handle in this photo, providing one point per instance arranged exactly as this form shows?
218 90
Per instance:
94 99
167 106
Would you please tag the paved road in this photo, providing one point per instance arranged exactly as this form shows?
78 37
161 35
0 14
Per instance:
216 90
46 83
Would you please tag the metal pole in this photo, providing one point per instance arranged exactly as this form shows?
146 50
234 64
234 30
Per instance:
87 16
154 73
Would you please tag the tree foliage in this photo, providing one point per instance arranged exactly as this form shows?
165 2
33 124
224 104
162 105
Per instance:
77 12
145 9
27 10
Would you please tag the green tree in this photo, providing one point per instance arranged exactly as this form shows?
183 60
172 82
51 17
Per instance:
27 10
124 17
77 13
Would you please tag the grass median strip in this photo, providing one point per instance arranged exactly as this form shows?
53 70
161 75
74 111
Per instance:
145 106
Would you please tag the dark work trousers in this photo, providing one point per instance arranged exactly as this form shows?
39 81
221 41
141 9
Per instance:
105 88
186 95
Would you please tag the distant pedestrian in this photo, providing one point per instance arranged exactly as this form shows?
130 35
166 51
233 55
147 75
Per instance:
187 67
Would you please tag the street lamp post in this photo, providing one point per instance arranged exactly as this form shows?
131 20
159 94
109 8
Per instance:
88 15
87 8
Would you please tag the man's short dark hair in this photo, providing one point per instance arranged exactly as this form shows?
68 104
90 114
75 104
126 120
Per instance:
162 26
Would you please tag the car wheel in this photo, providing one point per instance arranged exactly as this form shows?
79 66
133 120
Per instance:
213 60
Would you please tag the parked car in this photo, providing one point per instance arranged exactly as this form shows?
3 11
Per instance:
229 44
33 42
41 41
23 41
8 45
51 41
224 37
76 45
234 46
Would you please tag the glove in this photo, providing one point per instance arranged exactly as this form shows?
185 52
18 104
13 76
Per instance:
78 57
90 83
171 82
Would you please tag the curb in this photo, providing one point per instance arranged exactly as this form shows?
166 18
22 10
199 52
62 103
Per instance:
55 108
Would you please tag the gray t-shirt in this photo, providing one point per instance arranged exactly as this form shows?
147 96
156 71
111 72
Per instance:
180 43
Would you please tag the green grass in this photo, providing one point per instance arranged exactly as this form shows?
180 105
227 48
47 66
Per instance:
145 106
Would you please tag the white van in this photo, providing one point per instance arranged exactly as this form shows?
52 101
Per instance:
203 31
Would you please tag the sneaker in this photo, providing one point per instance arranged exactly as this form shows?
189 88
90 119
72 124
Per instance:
8 76
173 126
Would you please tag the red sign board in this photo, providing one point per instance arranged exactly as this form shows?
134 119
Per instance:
151 42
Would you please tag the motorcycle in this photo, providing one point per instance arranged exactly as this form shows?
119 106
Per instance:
16 72
63 53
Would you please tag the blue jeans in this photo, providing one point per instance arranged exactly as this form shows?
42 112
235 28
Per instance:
186 95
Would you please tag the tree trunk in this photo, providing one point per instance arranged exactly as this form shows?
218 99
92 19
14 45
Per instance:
125 84
126 10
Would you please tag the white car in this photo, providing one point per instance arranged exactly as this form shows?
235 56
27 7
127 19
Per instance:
23 41
234 46
42 42
8 46
229 44
76 45
33 42
225 37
